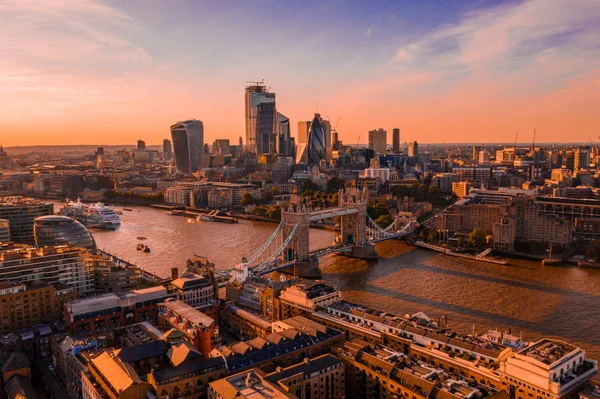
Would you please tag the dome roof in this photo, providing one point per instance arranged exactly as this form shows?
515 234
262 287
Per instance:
2 152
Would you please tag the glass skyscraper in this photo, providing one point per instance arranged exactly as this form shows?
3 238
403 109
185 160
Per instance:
261 120
316 141
188 144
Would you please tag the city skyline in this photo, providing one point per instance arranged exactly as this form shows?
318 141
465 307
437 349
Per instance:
471 72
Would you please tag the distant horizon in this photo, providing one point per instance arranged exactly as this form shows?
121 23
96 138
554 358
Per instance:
439 71
134 145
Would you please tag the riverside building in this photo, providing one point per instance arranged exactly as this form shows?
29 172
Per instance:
58 265
21 213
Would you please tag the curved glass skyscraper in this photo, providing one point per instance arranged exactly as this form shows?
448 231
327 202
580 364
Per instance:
316 141
188 142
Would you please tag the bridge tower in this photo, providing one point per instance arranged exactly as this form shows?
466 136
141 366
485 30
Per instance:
295 213
354 226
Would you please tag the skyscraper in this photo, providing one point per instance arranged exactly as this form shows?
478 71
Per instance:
378 140
188 143
167 149
261 120
396 140
413 149
303 129
285 145
326 126
141 145
316 141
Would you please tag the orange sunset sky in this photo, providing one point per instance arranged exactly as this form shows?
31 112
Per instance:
112 72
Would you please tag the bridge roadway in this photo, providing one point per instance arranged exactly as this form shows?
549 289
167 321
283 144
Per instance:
318 254
331 212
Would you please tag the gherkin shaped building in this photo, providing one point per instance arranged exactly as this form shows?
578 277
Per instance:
316 141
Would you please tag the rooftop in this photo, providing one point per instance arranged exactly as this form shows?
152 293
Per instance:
187 312
549 351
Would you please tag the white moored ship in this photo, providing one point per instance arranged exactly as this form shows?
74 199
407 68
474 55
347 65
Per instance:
96 215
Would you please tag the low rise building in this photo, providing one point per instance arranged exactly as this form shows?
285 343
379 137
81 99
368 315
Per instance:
106 276
199 329
547 369
109 311
193 289
57 265
244 324
320 378
306 296
27 305
284 348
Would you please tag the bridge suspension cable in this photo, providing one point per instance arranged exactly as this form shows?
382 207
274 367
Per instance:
265 246
275 255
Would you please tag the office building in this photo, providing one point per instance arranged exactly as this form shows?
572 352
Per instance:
54 230
461 188
4 230
59 266
108 277
261 120
167 150
194 290
582 158
375 171
188 144
484 157
303 129
413 149
106 312
378 140
396 140
318 378
20 213
326 127
141 145
285 141
316 142
222 147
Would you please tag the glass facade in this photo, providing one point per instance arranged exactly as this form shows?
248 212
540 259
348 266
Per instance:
261 120
188 144
62 230
316 142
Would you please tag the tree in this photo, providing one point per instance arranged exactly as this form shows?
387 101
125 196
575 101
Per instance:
274 212
333 184
274 190
384 221
477 237
247 199
377 210
308 185
461 241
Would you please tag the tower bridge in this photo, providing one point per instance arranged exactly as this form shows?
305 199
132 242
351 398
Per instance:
288 247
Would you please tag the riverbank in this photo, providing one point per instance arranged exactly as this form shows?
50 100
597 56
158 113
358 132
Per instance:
449 252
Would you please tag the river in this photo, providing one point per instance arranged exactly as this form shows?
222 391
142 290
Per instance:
540 301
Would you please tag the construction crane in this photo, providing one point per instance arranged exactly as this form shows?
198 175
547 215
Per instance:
336 124
515 147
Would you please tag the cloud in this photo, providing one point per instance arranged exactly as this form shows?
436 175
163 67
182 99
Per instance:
65 54
521 41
